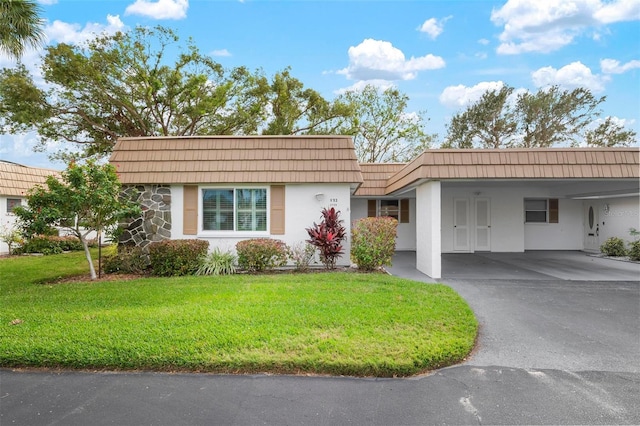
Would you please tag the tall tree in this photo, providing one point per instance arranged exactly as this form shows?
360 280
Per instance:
85 200
382 129
609 133
121 85
553 116
489 122
20 26
295 110
549 117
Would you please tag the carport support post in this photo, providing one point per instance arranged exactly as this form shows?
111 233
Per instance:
428 238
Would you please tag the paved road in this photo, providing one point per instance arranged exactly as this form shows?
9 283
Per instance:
550 352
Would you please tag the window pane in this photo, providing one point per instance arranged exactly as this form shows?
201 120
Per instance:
389 208
251 209
536 216
217 209
535 205
12 203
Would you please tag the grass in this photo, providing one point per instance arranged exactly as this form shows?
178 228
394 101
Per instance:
334 323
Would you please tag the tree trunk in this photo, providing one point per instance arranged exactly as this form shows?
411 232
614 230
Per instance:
87 253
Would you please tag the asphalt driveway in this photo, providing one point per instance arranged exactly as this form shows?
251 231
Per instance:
550 351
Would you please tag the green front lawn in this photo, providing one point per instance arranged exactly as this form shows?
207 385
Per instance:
325 323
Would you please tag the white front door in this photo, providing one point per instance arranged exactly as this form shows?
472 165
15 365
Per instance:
591 227
483 224
460 224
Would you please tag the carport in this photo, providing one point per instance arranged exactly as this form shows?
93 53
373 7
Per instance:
528 265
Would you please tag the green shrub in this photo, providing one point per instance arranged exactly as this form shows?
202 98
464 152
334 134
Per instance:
613 246
50 244
127 260
302 255
218 262
634 250
177 257
261 254
373 242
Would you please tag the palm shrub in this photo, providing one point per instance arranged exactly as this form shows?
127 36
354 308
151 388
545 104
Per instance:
260 254
218 262
177 257
613 246
373 242
327 237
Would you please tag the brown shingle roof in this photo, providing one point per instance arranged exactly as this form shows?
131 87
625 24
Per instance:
534 163
375 177
236 159
16 179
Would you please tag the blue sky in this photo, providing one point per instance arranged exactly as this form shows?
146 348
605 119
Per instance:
442 54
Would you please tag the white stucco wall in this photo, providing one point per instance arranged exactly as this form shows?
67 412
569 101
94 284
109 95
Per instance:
428 229
7 220
567 234
506 213
623 213
302 209
406 239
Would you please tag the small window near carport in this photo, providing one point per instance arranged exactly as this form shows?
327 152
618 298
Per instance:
12 203
541 210
397 209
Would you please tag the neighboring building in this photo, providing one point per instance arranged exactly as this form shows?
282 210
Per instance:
15 182
225 189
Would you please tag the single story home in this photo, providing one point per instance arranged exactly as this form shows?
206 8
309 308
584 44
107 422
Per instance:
15 182
228 188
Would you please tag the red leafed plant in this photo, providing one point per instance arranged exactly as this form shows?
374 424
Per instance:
327 237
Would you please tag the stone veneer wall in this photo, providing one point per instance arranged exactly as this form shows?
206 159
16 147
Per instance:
154 224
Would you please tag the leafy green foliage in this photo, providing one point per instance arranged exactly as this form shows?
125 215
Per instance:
302 254
322 323
127 84
547 118
613 246
382 128
261 254
177 257
20 26
327 237
218 262
126 260
634 250
373 242
48 244
84 200
11 236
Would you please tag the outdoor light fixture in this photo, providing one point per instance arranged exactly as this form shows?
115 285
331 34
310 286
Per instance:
606 208
319 196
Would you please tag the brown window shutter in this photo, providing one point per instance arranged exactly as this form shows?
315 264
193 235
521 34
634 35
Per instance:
553 210
190 217
371 208
404 210
277 210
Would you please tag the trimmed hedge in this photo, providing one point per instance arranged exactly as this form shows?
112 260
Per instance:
614 246
127 260
260 254
177 257
51 244
373 242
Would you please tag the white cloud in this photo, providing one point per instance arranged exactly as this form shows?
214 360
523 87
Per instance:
220 52
612 66
571 76
64 32
358 86
483 41
545 26
460 96
433 27
379 60
19 148
160 9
